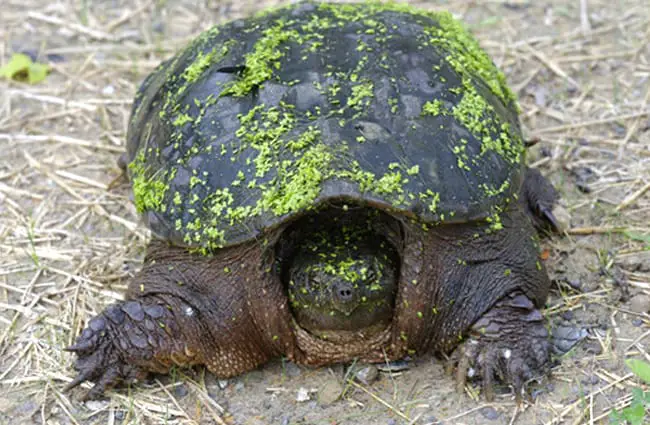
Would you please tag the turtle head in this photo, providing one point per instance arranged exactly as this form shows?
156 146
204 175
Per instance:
342 279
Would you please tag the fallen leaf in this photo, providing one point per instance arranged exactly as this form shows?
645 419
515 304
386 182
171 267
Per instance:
545 254
21 68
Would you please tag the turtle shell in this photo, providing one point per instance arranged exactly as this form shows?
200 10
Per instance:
262 119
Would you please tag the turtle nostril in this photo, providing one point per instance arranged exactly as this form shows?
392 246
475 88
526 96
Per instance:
345 293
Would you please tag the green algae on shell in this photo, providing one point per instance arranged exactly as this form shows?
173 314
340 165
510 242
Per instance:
259 120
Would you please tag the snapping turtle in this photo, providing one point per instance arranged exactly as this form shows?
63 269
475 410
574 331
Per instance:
328 182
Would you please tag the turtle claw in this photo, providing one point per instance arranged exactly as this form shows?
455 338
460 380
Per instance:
549 217
100 359
509 344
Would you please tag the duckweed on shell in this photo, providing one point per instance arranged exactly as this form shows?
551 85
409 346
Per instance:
405 111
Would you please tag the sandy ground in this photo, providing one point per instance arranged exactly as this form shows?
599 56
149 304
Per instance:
68 243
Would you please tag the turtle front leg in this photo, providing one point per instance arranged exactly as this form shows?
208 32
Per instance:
509 342
127 341
185 309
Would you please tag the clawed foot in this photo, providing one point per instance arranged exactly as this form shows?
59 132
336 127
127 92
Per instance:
117 347
509 343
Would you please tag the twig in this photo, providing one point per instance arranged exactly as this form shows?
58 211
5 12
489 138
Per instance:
633 197
81 29
380 400
590 123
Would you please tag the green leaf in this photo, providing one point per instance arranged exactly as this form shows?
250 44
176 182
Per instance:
616 418
637 395
21 68
37 73
17 64
634 414
640 369
639 237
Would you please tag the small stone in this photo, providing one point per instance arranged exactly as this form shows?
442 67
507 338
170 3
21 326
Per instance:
640 303
366 374
26 409
593 347
108 90
639 261
329 393
562 217
97 404
292 369
181 391
303 395
489 413
637 322
223 383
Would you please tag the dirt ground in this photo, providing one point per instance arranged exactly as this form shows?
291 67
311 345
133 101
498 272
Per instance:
68 243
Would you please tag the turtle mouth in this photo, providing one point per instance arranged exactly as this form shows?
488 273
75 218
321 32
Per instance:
340 269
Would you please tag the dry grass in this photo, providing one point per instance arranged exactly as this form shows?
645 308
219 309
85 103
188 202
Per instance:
68 244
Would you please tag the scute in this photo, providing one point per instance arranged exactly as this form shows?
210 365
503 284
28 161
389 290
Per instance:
260 120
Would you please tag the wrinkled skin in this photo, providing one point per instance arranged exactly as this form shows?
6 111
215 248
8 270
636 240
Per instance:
230 311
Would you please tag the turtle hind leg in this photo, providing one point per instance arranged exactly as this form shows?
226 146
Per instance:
541 202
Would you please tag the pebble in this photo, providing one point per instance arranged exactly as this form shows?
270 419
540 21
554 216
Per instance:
181 391
562 217
108 90
25 409
292 369
97 404
329 393
223 383
567 315
593 347
366 374
640 303
489 413
591 380
635 262
303 395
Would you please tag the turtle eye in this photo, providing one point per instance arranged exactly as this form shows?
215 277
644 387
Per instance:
237 69
313 281
369 275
